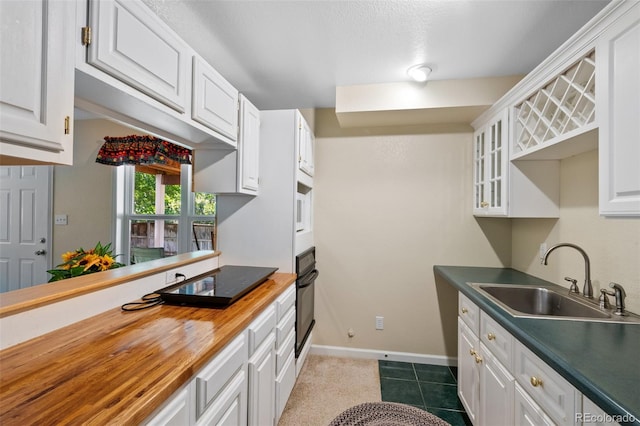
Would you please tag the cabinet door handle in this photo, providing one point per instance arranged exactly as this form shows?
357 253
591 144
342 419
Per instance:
478 359
491 336
484 204
465 310
535 381
472 352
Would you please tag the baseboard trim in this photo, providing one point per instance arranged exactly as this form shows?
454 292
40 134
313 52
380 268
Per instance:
343 352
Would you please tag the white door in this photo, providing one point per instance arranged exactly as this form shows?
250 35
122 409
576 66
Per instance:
25 231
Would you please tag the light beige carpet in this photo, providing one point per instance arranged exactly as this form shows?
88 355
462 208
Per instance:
327 386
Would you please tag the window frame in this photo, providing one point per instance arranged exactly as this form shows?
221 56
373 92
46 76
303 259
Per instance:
123 206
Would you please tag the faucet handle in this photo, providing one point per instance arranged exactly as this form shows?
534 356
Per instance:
604 300
574 285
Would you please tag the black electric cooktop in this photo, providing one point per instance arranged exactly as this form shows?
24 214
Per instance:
217 288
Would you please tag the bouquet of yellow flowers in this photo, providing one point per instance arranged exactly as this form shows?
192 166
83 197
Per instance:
83 262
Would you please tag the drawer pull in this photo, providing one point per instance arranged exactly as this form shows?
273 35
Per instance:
535 382
473 352
478 359
465 310
491 336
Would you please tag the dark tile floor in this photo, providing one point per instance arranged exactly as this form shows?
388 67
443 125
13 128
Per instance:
430 387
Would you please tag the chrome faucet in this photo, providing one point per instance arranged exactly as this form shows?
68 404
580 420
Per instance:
587 290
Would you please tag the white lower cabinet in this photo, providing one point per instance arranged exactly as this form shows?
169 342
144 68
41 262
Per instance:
230 408
496 391
222 383
285 349
595 416
501 382
468 371
248 382
557 397
175 412
527 412
262 366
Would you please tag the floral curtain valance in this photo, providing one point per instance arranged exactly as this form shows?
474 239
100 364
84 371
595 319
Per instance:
136 149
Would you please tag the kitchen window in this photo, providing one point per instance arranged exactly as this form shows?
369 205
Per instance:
158 215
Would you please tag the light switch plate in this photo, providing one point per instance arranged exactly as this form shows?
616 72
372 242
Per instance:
61 219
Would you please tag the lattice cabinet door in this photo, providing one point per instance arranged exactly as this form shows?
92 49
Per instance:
562 108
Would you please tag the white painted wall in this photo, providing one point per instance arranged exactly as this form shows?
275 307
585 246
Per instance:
391 203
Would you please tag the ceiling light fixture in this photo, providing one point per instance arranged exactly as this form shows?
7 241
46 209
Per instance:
419 73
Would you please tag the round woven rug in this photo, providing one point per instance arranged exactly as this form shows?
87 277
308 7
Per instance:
386 414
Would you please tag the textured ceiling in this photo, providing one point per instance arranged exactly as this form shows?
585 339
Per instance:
292 54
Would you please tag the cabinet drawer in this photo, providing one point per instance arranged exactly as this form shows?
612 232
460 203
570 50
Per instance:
174 412
469 312
527 412
230 408
213 378
557 397
261 327
285 301
498 340
285 326
285 350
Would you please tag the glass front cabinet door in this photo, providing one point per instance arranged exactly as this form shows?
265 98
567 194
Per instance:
490 156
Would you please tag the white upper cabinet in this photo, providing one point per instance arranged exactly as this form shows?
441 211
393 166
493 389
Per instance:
249 147
504 188
305 146
128 45
562 109
215 100
490 167
618 73
223 171
584 96
36 76
131 66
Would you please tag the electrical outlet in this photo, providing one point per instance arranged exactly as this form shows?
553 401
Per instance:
543 249
379 323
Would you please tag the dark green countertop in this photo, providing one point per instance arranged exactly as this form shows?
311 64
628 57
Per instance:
602 360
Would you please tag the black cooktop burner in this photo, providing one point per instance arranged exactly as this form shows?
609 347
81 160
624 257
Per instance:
218 288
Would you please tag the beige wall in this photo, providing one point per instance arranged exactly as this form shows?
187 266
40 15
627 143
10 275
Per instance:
84 191
391 203
613 244
387 208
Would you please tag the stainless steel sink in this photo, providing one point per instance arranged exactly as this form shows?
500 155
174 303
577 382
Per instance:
543 302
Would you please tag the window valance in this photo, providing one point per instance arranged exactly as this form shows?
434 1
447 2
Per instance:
134 149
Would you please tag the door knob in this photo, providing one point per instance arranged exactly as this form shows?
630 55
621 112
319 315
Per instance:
40 252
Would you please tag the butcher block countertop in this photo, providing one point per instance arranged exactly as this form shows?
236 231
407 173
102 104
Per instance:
118 367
